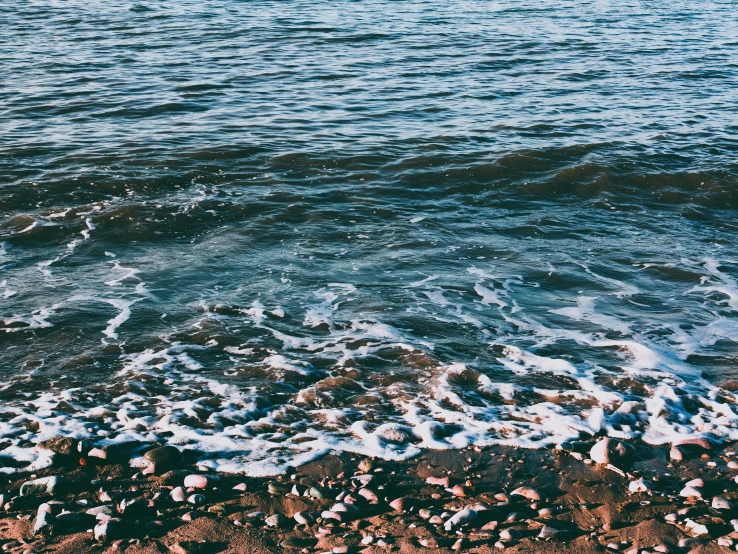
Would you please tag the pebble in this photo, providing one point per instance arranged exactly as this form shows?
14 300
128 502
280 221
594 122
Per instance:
369 495
191 516
509 535
178 494
527 492
43 523
690 492
242 487
196 499
460 518
198 481
316 492
695 483
108 530
548 532
440 481
639 485
328 514
722 504
304 518
404 504
676 454
365 480
106 510
458 490
276 520
611 451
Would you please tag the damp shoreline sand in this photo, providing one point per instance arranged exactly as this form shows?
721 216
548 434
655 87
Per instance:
570 504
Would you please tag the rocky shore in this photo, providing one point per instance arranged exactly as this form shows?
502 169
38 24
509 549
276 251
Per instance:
583 497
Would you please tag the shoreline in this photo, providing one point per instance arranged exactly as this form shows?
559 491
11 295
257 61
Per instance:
467 500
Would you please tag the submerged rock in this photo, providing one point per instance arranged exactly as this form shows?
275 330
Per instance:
164 456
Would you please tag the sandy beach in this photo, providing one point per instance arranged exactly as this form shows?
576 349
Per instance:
475 500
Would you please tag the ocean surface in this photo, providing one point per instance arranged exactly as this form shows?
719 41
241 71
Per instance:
267 230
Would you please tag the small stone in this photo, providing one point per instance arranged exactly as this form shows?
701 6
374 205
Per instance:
435 520
725 541
369 495
458 490
43 523
98 453
639 485
328 514
109 529
458 545
509 535
366 465
304 518
364 480
688 543
241 487
67 519
460 518
699 483
429 543
342 549
551 533
722 504
105 510
676 454
276 520
196 499
317 492
611 451
191 516
278 488
197 481
164 456
178 494
404 504
690 492
439 481
527 492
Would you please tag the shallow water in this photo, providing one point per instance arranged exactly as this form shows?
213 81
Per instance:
265 230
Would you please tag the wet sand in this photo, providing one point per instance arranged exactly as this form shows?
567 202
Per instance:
569 504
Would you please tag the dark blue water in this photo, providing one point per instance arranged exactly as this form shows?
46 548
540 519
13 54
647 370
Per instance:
265 230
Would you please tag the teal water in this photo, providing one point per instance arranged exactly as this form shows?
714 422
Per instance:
267 230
